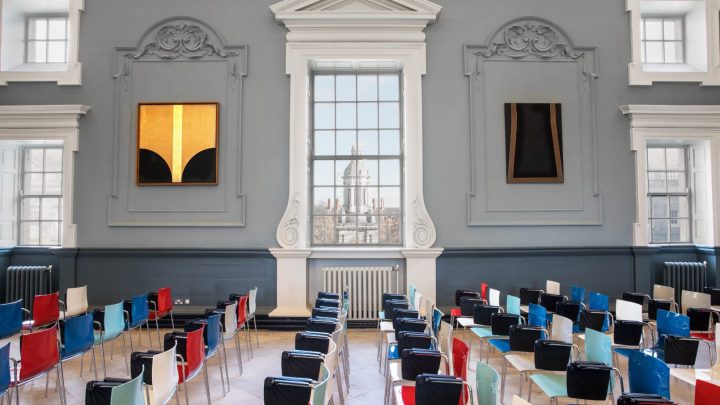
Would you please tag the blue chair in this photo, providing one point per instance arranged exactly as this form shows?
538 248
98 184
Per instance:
512 305
648 374
537 315
670 323
598 302
4 371
137 313
11 319
577 294
213 343
76 339
437 316
111 328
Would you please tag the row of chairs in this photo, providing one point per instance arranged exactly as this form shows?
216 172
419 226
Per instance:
320 356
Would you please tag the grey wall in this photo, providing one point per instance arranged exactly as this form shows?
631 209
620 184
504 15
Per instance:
108 24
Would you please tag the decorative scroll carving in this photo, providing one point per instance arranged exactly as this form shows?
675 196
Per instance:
530 38
423 228
288 233
175 40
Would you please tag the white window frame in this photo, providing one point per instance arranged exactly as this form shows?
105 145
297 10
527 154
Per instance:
23 194
64 74
49 122
702 60
697 126
47 17
682 41
668 194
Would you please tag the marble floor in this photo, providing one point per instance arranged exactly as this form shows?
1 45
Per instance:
366 384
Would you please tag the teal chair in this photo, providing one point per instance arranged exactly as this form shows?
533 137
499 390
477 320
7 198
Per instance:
319 394
512 305
129 393
110 328
486 384
411 296
598 347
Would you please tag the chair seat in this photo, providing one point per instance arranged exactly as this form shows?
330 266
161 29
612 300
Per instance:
709 336
522 362
501 345
405 395
386 326
393 353
482 333
455 312
13 382
553 385
467 322
98 336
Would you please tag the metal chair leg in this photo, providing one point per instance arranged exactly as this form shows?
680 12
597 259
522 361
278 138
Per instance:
127 364
147 326
238 352
102 348
257 338
172 320
157 328
207 384
94 363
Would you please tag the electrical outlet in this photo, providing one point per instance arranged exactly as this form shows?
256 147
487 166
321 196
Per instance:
178 301
187 301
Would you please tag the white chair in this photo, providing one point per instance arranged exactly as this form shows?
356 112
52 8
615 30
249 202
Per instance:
552 287
229 326
516 400
628 311
76 302
445 336
494 297
418 301
692 299
164 378
562 329
663 292
252 296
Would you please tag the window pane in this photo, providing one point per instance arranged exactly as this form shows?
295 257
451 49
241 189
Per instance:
32 184
656 182
53 183
678 207
673 30
642 29
340 207
389 229
673 52
53 160
37 52
324 230
324 200
654 52
659 230
389 88
367 230
679 230
345 142
345 172
390 142
390 200
324 88
324 143
38 28
389 115
367 115
49 233
346 116
390 172
367 88
347 235
659 207
642 52
33 160
50 209
30 233
57 28
323 173
676 182
675 158
30 209
56 52
368 142
367 172
324 116
653 29
345 88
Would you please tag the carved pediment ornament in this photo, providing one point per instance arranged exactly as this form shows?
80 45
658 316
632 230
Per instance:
530 38
175 40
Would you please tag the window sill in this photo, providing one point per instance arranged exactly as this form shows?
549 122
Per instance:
670 68
62 74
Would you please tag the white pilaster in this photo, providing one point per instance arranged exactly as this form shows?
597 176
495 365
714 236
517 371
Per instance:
420 267
291 282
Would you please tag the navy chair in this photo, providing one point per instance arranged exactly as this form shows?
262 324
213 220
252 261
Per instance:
11 315
137 314
77 338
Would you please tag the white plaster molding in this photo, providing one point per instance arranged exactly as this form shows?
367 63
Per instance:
708 75
49 122
673 123
70 73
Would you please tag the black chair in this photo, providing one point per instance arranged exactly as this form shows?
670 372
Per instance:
629 398
324 312
682 350
627 337
302 363
408 340
326 303
521 339
552 355
414 362
500 323
326 325
433 389
394 304
482 314
313 341
595 320
530 296
287 391
702 319
570 310
405 313
328 295
459 294
654 305
392 297
714 295
409 324
468 303
550 301
638 298
590 381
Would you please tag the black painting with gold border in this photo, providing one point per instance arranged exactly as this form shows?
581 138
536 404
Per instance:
177 144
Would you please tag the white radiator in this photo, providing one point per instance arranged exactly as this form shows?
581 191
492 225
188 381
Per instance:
366 286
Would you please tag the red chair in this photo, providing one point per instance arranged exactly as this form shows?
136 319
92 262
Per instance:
160 305
45 310
39 355
706 393
484 291
460 357
191 366
242 323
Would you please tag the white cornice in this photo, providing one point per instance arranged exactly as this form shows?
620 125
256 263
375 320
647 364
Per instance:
672 116
41 116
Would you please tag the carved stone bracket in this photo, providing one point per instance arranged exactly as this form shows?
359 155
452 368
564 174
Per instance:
423 228
288 233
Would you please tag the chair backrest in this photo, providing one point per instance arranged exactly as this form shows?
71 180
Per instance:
242 311
411 294
706 393
165 302
194 351
530 296
648 374
330 295
402 313
588 380
214 336
301 363
552 355
409 324
468 303
598 302
313 341
414 340
701 319
628 333
10 318
681 350
484 291
628 311
714 295
516 400
391 297
114 320
76 301
717 348
459 294
437 316
327 303
139 309
500 323
482 314
429 308
418 361
230 320
577 293
252 300
486 384
46 309
692 299
598 347
663 292
550 301
436 389
38 352
537 315
417 301
494 297
164 375
319 394
552 287
523 337
562 329
569 309
395 304
655 304
638 298
512 304
77 335
4 367
324 312
670 323
287 391
460 357
597 320
445 337
129 393
326 325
